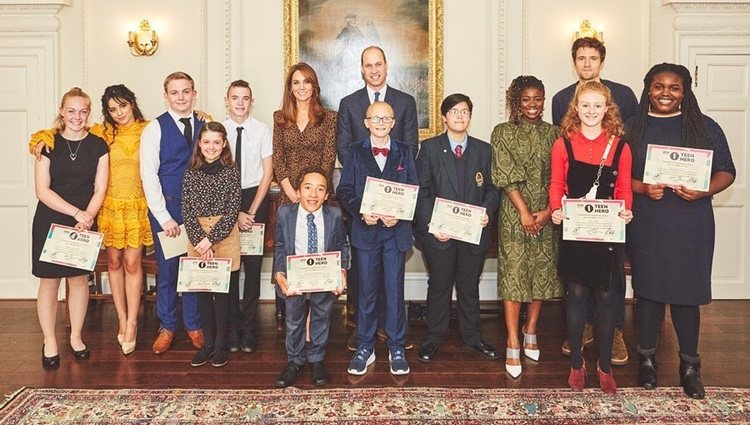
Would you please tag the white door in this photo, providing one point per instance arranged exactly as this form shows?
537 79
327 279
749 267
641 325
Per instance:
26 103
722 86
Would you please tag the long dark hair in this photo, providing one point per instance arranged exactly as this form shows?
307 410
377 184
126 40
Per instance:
289 102
120 94
694 130
197 159
513 95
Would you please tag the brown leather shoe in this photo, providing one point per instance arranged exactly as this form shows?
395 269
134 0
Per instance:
163 341
196 337
586 340
619 350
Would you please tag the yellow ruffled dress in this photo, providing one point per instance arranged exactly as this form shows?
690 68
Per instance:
123 218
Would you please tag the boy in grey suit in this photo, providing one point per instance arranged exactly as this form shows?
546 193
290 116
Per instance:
305 228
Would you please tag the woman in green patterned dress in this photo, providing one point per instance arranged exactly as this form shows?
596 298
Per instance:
527 246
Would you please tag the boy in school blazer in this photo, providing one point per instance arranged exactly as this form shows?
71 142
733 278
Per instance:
302 228
454 166
381 241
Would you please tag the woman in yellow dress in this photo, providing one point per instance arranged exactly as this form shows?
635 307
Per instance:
123 218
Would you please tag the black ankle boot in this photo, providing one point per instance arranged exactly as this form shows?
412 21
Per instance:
647 371
690 379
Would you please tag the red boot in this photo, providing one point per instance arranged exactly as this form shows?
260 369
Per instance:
606 381
577 378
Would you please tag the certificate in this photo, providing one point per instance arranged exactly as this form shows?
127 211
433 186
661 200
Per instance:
69 247
251 240
384 197
174 247
314 272
196 275
593 220
675 165
459 221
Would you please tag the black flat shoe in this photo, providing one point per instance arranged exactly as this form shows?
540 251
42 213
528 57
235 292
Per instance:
288 375
427 352
486 350
50 363
81 354
319 373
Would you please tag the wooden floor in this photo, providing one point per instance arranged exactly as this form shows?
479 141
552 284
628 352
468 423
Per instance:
725 348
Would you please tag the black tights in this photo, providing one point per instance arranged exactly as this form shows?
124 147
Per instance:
214 311
604 322
685 318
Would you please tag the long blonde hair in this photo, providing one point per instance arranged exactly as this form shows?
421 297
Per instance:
611 124
59 123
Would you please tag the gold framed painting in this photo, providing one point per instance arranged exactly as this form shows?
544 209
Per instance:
330 35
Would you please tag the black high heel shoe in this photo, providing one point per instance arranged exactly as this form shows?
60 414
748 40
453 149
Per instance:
50 363
81 354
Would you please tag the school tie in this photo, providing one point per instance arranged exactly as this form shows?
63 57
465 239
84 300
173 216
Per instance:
459 151
312 234
377 96
188 131
238 149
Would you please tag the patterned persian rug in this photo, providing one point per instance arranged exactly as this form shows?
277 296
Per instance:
374 405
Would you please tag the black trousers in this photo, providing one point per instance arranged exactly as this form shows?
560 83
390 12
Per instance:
455 265
242 315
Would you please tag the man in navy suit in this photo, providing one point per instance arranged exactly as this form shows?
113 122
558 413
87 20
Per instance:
305 228
454 166
350 129
381 242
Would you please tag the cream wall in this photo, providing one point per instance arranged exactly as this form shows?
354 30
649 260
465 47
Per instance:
487 43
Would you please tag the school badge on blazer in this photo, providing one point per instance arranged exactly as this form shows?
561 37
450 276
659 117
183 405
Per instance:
479 179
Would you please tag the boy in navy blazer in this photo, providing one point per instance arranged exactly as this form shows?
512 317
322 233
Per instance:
454 166
381 242
304 228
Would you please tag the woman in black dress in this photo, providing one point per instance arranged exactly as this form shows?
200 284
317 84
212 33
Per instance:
671 243
70 184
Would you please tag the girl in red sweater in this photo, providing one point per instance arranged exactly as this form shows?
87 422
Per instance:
590 161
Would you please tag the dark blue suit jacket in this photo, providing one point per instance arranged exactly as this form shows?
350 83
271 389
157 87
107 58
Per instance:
350 126
437 179
286 224
399 167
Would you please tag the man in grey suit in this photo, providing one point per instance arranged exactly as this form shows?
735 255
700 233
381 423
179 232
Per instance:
350 130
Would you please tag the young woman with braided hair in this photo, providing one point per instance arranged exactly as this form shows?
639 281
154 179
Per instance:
527 250
671 243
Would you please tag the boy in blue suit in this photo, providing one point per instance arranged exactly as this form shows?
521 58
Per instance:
381 241
304 228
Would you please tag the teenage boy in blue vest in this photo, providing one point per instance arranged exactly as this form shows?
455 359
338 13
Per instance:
166 145
381 242
304 228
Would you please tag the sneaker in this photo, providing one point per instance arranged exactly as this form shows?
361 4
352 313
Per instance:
588 339
201 357
233 341
220 358
619 350
360 361
399 365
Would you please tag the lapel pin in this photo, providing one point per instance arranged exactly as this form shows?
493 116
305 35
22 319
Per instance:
479 178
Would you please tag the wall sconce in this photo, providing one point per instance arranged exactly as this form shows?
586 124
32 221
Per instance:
144 41
586 30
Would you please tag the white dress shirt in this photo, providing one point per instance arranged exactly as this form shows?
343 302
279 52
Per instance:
300 242
380 159
371 93
256 146
149 152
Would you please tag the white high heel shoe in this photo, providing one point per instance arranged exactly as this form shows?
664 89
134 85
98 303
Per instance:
529 339
513 370
129 347
120 338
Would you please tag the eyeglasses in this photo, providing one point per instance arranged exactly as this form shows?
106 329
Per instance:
457 112
376 120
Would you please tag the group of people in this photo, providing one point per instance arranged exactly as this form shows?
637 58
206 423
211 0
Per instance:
136 179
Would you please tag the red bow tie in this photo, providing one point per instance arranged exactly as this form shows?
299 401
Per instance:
380 151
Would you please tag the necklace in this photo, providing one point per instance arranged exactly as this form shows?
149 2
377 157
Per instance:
73 155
